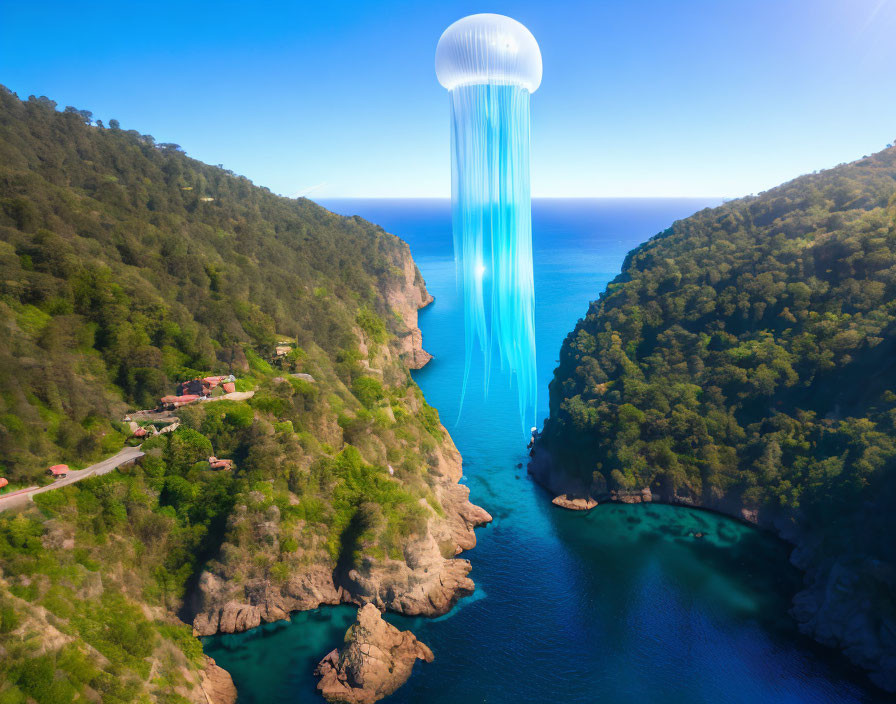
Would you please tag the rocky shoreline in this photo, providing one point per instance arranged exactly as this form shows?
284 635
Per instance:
426 582
832 607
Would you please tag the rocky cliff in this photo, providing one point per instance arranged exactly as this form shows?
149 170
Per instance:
406 299
426 580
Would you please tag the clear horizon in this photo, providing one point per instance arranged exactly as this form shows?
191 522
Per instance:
646 99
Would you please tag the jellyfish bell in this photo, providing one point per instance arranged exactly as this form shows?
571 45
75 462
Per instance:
488 48
490 65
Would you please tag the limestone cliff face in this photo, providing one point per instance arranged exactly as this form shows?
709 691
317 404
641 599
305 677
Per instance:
406 299
376 660
836 608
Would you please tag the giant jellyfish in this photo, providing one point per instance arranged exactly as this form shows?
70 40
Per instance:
490 64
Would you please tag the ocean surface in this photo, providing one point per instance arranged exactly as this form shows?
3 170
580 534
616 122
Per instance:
622 605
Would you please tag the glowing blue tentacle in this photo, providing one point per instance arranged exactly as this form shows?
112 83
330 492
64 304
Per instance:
492 220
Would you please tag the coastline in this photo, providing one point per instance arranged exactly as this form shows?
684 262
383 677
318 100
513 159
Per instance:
428 581
824 610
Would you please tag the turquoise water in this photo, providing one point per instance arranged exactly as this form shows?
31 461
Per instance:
622 605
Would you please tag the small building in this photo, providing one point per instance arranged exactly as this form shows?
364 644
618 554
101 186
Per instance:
215 463
3 482
140 433
58 470
229 387
212 381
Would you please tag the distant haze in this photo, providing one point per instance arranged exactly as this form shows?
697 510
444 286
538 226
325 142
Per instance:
691 98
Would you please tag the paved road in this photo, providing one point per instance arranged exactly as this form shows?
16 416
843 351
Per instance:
21 498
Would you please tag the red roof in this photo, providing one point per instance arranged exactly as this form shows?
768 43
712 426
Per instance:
229 387
3 482
139 432
58 469
186 398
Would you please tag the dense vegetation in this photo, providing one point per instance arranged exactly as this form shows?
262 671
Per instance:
125 266
90 582
746 357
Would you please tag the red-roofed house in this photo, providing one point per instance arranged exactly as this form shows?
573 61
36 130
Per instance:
215 463
140 433
212 381
3 482
58 470
229 387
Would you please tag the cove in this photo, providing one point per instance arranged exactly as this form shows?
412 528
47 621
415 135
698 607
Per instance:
623 604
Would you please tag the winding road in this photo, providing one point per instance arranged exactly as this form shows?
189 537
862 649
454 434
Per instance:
20 498
17 499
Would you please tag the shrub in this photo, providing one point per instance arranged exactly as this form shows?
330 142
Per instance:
368 391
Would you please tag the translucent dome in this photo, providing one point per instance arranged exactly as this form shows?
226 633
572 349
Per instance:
488 48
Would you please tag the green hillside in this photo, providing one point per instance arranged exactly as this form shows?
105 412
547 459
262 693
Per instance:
125 267
745 360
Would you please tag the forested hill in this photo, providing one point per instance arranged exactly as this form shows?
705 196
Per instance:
125 265
745 360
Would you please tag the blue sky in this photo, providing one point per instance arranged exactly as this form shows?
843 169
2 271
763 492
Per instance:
639 98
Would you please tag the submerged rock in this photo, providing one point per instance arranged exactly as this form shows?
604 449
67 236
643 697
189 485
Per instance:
376 660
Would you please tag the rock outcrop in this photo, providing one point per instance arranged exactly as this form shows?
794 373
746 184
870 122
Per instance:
843 606
216 683
376 660
406 300
230 610
574 503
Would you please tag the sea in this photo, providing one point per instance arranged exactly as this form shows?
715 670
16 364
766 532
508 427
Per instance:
619 605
